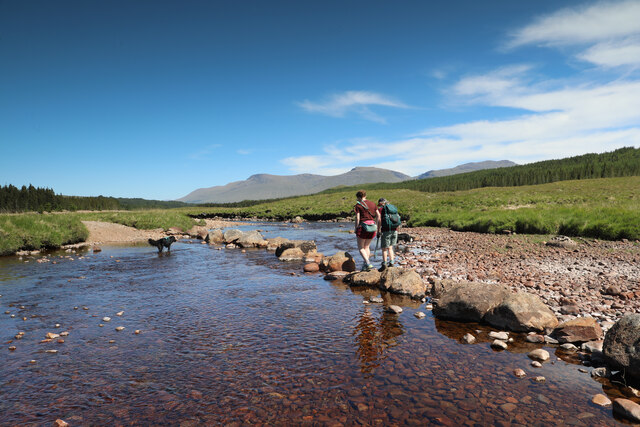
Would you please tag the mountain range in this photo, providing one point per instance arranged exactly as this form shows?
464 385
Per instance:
265 186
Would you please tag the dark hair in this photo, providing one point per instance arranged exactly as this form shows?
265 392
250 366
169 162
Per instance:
361 193
382 201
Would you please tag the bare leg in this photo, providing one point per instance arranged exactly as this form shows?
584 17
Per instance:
363 248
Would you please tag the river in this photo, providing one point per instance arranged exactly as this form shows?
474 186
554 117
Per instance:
227 337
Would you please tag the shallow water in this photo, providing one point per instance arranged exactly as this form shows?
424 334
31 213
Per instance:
230 337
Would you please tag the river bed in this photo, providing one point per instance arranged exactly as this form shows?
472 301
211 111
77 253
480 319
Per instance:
226 337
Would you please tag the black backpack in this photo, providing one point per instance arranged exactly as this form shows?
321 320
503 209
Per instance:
391 217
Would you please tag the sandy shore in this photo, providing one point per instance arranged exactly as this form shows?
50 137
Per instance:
108 232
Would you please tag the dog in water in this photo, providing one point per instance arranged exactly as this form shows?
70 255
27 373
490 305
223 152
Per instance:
165 242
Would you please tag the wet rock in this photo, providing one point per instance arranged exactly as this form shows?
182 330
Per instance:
120 328
376 300
601 400
569 347
580 329
215 237
231 236
536 364
535 338
137 331
120 313
198 232
275 242
311 267
393 309
441 287
539 354
363 278
519 373
539 379
292 254
252 239
499 335
60 423
419 314
336 275
621 346
592 346
12 348
470 301
627 409
522 312
468 338
51 335
341 261
106 319
602 372
51 351
402 281
499 344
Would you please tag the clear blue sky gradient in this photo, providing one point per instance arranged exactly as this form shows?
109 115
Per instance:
154 99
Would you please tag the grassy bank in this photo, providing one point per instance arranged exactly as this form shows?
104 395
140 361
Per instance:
607 208
33 231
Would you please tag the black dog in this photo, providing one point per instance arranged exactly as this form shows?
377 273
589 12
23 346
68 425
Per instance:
405 237
165 242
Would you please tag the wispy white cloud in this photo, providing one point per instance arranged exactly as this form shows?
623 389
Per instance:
357 102
550 119
588 24
244 152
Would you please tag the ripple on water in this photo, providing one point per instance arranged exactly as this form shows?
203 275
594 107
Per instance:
227 336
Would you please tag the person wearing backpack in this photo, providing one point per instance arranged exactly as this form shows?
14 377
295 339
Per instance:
388 230
367 216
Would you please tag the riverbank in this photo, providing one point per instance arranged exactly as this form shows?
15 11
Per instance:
596 278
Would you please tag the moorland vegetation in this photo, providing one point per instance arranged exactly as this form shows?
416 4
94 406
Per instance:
594 196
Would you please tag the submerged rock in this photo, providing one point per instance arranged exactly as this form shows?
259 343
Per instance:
628 409
341 261
363 278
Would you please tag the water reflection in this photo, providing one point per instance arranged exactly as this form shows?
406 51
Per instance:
373 336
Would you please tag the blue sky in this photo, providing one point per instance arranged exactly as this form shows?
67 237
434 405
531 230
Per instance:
155 99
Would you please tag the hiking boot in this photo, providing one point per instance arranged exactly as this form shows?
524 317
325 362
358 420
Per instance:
364 267
369 267
391 264
383 266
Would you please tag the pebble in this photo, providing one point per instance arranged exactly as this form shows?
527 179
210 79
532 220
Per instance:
393 309
419 314
569 347
106 319
536 364
428 307
120 328
539 354
13 347
51 351
499 344
51 335
64 334
120 313
539 379
32 362
628 409
137 331
519 373
503 336
60 423
376 300
600 373
601 400
468 338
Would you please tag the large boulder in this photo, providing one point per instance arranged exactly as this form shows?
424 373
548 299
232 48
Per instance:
274 243
252 239
230 236
363 278
442 286
305 246
403 281
621 346
470 301
198 232
562 242
292 254
522 312
580 329
215 237
341 261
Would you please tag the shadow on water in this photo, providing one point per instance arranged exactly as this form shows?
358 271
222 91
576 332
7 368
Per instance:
230 337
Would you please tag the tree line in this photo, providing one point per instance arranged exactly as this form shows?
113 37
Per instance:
37 199
619 163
